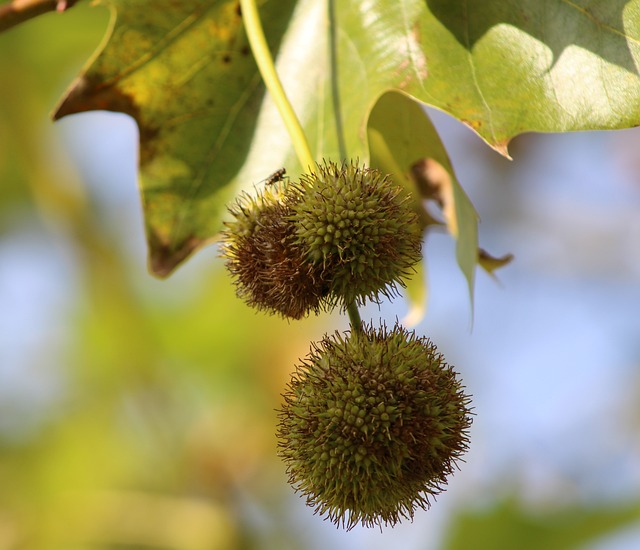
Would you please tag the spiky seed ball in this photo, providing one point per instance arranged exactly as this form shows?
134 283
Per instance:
371 426
268 267
359 226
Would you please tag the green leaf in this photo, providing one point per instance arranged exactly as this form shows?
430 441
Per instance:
184 71
503 67
405 144
510 66
510 525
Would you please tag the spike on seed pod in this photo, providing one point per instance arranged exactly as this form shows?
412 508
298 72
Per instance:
372 424
267 266
357 224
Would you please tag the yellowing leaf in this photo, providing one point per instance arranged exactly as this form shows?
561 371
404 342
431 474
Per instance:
417 293
185 73
403 143
490 263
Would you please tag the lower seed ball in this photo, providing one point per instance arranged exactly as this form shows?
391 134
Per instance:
372 424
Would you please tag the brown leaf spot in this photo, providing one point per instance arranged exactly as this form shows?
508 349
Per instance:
147 146
431 179
164 256
86 95
473 124
502 148
433 182
499 146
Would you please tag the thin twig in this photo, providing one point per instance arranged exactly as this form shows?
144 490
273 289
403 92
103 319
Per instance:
354 318
19 11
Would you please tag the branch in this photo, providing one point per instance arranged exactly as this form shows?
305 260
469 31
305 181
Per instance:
18 11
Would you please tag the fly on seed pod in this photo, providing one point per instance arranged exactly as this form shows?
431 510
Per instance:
278 175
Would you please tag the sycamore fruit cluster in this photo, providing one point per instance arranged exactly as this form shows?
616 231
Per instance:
373 420
340 235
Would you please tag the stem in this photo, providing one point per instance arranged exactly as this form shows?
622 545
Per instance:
335 88
18 11
267 70
354 318
352 309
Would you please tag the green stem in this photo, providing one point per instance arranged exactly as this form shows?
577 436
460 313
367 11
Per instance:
335 87
268 72
263 58
354 318
352 309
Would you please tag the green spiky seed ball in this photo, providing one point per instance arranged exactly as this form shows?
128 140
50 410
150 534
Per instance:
359 226
372 424
267 266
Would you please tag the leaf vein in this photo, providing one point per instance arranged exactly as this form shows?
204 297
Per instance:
474 76
599 23
175 33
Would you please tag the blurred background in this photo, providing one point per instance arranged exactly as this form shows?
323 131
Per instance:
139 414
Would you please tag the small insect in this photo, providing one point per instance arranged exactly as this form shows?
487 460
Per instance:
278 175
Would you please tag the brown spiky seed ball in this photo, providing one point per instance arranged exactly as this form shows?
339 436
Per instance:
268 267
